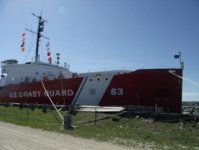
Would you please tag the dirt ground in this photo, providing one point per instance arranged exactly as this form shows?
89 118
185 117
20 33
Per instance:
13 137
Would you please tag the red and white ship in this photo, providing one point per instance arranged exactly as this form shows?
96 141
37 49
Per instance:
35 82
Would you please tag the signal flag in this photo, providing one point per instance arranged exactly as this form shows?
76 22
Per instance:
176 56
23 42
48 52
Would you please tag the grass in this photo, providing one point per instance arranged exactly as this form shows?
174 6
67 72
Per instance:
126 131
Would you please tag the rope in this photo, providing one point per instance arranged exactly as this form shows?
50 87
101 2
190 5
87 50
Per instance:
103 118
51 101
186 79
55 116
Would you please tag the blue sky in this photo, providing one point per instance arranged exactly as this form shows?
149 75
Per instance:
94 35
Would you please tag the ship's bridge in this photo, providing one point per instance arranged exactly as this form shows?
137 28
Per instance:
9 62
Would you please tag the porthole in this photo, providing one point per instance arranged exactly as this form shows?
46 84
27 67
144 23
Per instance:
98 79
91 80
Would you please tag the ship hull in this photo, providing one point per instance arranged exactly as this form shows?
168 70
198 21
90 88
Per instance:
147 88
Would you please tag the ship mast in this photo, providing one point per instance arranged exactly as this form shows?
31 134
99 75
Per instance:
38 33
181 62
39 30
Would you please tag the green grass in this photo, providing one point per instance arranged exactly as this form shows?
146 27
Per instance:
127 131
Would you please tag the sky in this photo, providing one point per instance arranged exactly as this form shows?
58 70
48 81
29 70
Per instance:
94 35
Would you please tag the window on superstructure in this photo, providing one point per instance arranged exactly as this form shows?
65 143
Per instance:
27 79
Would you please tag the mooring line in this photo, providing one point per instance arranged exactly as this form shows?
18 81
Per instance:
186 79
51 101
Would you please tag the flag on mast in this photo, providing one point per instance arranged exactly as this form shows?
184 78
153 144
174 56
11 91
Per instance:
23 42
176 56
48 52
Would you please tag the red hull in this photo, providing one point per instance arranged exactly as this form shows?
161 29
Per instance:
154 88
59 91
147 87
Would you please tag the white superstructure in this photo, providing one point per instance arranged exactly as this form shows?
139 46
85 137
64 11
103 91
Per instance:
14 73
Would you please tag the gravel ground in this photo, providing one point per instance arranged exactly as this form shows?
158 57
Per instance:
13 137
